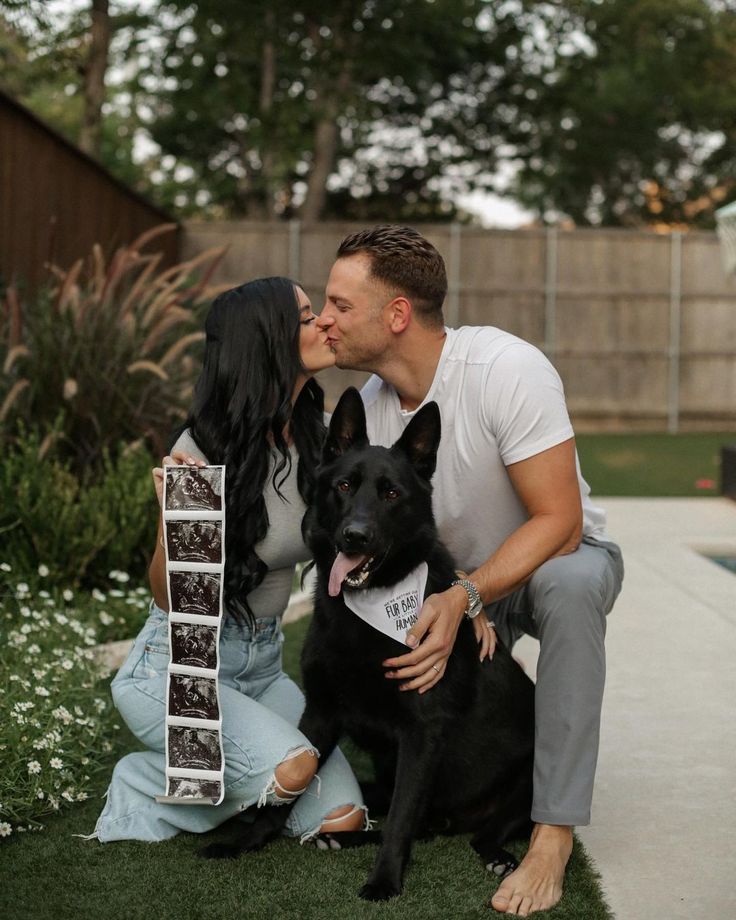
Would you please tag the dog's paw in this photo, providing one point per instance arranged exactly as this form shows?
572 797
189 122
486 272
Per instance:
219 851
345 840
326 842
501 863
379 891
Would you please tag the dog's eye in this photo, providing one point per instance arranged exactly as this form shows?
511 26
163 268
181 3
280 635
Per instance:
391 494
343 485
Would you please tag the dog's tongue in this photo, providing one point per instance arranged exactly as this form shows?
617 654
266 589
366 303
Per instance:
340 568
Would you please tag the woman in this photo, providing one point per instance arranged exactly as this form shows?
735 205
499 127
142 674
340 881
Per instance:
258 410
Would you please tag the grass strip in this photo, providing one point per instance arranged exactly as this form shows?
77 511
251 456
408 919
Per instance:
656 465
51 875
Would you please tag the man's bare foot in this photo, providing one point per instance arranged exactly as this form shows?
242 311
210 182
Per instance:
537 883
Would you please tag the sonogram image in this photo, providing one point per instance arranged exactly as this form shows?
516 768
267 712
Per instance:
194 645
194 541
192 488
193 697
185 788
194 748
195 593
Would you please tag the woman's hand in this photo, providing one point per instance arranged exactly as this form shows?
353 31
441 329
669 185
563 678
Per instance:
485 633
177 458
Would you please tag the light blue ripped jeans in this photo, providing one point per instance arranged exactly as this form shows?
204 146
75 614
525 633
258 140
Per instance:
261 708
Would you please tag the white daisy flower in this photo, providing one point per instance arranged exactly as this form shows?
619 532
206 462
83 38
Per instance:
34 766
5 829
56 763
43 570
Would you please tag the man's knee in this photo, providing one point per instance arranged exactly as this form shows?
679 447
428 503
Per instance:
568 592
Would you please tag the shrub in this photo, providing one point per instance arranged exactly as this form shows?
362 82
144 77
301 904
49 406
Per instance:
55 715
106 352
79 526
116 612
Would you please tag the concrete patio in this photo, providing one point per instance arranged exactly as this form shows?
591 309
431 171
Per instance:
664 813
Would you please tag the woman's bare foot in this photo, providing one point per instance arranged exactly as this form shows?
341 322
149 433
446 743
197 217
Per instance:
537 883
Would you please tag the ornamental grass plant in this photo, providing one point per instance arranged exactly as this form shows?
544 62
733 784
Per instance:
106 352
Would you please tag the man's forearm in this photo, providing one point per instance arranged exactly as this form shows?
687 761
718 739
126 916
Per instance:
541 538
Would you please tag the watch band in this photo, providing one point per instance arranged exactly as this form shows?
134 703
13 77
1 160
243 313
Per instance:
475 603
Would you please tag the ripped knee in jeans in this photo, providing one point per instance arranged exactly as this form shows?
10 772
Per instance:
291 777
347 818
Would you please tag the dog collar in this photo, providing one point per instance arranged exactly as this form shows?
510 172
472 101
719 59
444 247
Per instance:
393 610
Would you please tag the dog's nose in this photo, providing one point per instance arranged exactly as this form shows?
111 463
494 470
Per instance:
357 536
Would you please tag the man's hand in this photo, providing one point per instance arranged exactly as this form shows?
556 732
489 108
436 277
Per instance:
437 624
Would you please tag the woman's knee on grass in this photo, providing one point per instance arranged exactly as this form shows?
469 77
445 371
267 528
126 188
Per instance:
294 774
345 818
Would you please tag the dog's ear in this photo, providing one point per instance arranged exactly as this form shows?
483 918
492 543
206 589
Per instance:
347 426
421 438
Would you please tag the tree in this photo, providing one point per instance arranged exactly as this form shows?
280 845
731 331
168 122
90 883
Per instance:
631 121
57 68
95 67
281 107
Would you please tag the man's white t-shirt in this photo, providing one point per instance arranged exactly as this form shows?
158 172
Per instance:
501 401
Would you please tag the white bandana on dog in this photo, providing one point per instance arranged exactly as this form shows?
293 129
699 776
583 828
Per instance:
394 610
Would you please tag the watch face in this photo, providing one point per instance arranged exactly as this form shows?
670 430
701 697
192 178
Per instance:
475 604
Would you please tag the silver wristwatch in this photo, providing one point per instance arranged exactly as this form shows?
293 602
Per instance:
475 604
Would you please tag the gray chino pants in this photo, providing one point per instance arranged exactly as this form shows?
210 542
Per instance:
564 605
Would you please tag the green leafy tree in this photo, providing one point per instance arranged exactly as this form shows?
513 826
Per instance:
269 108
632 118
57 63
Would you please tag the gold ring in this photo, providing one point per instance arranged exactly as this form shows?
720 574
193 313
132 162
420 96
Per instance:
436 668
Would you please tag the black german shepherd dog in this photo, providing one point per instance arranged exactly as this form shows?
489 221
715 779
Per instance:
455 759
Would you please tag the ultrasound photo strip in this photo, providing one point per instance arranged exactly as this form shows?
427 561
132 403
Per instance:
194 544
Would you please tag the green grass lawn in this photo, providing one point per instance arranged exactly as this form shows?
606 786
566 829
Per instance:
52 875
653 464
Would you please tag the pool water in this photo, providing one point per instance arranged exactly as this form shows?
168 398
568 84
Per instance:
728 562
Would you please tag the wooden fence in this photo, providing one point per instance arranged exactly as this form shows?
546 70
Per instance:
56 202
641 326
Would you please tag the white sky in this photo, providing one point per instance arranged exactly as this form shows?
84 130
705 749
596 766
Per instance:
494 211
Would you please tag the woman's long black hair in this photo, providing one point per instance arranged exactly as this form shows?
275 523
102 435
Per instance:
242 397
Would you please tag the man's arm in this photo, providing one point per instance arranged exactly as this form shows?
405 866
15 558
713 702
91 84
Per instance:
547 484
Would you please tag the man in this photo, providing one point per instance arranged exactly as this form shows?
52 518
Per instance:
510 505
